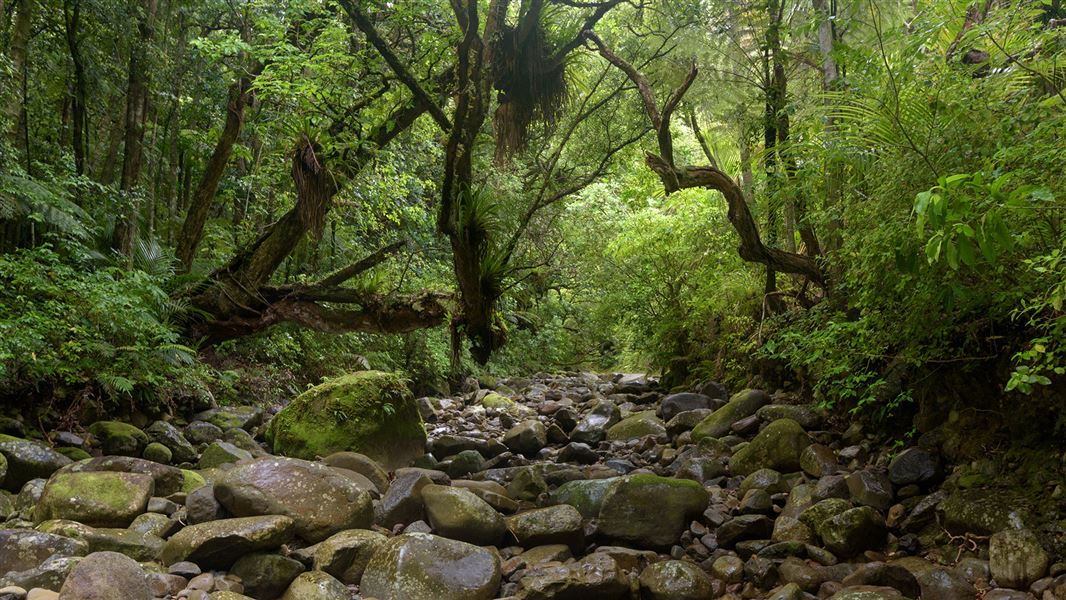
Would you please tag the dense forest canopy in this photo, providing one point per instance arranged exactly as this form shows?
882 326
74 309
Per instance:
861 200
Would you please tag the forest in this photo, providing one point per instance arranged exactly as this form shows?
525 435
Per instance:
851 210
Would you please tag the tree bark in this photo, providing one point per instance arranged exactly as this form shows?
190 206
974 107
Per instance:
15 107
79 124
125 233
240 96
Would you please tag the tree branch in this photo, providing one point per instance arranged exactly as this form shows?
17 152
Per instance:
340 276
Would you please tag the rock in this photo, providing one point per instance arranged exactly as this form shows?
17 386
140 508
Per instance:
202 432
742 404
161 432
598 575
561 524
744 527
105 499
686 421
403 502
593 428
465 463
345 555
675 404
867 592
789 591
886 575
23 549
106 576
729 569
635 426
243 440
816 514
870 488
983 513
852 531
943 584
778 446
675 580
650 511
230 417
218 544
320 501
362 464
915 466
458 514
116 437
526 438
419 566
1016 558
201 506
576 452
585 495
817 460
158 453
496 401
807 416
316 585
266 576
370 412
168 480
27 461
219 453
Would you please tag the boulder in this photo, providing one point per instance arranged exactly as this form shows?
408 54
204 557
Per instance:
106 576
743 404
635 426
320 501
1016 558
28 460
586 495
560 524
650 511
23 549
870 488
103 499
230 417
217 544
598 575
219 453
158 453
345 555
526 438
458 514
983 513
403 502
675 404
168 480
675 580
852 531
420 566
202 432
266 576
166 434
316 585
116 437
778 446
370 412
362 464
915 466
593 428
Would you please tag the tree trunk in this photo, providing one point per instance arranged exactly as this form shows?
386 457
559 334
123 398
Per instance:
192 230
15 107
80 124
125 233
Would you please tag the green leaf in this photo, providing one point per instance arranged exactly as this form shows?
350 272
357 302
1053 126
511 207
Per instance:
932 248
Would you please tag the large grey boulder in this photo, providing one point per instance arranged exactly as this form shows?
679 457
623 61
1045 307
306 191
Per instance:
650 511
743 404
1016 558
106 576
218 544
420 566
104 499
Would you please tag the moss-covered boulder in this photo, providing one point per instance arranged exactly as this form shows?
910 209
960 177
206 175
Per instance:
852 531
229 417
1016 558
168 480
266 575
560 524
586 495
217 544
105 499
778 446
3 467
23 549
636 425
459 514
675 580
220 453
497 401
116 437
346 554
166 434
743 404
316 585
370 412
420 566
650 511
158 453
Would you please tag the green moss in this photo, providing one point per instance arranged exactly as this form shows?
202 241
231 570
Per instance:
494 400
371 412
74 454
193 481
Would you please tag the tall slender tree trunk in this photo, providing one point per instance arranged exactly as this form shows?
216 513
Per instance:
15 104
125 233
79 125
